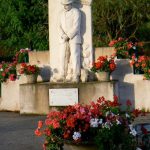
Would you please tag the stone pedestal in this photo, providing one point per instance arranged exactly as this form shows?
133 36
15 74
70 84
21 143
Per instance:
34 98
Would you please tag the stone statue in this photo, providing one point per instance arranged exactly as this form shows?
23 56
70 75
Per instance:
70 42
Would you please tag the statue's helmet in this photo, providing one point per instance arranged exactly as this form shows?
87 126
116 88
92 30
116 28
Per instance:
65 2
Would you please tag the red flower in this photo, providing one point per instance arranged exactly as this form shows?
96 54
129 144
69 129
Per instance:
120 39
112 43
3 74
12 77
21 71
23 65
144 130
38 132
98 65
47 132
71 122
112 66
129 45
40 124
136 112
128 103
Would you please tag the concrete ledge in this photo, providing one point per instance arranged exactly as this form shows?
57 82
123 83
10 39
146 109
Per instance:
34 98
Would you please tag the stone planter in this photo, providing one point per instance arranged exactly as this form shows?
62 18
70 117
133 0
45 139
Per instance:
103 76
79 147
32 78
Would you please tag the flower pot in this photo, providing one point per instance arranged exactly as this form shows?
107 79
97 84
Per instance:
79 147
32 78
103 76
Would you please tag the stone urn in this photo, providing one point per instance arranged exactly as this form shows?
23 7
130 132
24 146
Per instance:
103 76
32 78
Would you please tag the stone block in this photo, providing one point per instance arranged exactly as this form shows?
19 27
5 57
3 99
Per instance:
34 99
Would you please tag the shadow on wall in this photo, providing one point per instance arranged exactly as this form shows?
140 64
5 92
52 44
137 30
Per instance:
124 74
126 92
123 69
45 73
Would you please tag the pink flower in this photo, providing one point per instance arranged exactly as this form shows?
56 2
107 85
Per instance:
112 43
12 77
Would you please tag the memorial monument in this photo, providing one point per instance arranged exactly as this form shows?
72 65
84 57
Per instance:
70 39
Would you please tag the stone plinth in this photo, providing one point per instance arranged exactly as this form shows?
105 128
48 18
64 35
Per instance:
34 98
10 96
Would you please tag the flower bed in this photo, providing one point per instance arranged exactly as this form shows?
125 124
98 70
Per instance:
101 123
125 48
7 71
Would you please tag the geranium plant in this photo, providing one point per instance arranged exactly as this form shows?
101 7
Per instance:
142 63
125 48
7 71
101 123
28 69
22 56
104 64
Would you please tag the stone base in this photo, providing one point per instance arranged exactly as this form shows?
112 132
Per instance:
34 98
10 96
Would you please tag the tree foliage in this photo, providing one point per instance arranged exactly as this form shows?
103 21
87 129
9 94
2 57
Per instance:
23 23
114 18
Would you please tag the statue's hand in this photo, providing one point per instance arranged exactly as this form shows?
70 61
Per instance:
65 37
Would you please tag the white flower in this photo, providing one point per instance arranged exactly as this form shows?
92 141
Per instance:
131 127
133 132
107 125
1 69
134 47
100 121
127 115
118 122
76 136
94 122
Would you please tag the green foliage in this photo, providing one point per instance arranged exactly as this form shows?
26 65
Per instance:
119 18
114 139
23 23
